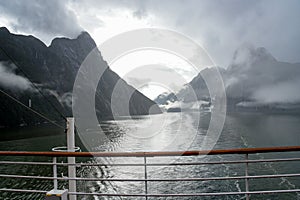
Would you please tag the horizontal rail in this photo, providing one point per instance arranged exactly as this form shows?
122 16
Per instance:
152 180
159 195
151 164
153 154
22 190
188 195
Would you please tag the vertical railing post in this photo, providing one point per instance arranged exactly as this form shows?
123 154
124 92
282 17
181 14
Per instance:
246 179
145 175
71 160
55 174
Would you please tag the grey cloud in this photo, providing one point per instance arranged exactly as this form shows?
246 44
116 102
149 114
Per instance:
140 13
185 73
167 78
10 80
137 82
65 99
256 75
220 26
45 19
223 25
283 92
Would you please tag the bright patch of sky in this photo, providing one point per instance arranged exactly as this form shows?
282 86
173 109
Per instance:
154 71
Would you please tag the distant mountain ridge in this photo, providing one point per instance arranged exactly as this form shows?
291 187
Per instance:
53 69
254 80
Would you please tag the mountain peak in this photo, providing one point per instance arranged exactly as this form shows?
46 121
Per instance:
248 54
4 30
83 44
84 35
263 53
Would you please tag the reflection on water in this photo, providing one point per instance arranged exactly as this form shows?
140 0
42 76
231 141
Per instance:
167 132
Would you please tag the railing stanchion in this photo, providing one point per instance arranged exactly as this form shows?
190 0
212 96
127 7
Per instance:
246 179
71 160
55 173
146 182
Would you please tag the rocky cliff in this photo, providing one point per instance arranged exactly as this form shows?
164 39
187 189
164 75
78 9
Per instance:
53 70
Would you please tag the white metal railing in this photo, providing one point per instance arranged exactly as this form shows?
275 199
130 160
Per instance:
145 164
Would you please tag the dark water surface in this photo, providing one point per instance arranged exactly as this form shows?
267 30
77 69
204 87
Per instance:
240 130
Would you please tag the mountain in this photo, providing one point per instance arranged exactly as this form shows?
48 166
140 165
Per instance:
254 80
195 90
53 71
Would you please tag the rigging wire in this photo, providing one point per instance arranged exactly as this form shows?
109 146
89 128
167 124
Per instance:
51 121
36 87
36 112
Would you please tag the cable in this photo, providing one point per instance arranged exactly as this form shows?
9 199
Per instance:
36 87
41 115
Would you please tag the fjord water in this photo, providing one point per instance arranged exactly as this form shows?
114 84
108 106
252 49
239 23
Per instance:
180 131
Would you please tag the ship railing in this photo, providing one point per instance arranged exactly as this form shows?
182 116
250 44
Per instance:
244 152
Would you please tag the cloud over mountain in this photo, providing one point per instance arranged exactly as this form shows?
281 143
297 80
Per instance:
256 75
253 79
10 80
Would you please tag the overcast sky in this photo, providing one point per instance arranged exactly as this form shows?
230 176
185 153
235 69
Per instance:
220 26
